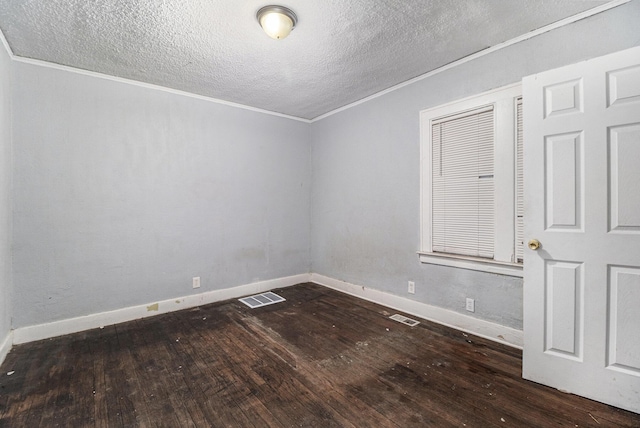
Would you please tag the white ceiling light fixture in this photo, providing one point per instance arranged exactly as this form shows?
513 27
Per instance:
277 21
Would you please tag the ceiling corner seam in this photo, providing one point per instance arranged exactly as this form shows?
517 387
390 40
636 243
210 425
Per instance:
553 26
47 64
6 45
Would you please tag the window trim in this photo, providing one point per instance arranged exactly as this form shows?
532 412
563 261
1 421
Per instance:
472 263
503 100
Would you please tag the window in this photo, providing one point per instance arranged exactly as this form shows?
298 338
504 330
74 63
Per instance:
471 168
462 183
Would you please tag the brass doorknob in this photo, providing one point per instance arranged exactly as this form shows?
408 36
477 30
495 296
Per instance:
534 244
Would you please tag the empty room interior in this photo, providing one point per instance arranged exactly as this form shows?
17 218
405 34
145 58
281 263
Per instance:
434 205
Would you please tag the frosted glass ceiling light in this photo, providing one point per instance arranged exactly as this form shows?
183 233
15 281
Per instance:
277 21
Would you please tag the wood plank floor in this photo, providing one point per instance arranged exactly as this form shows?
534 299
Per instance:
320 359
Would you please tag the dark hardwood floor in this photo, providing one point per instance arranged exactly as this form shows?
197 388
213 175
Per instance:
320 359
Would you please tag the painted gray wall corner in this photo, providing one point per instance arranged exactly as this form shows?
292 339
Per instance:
5 194
124 193
366 171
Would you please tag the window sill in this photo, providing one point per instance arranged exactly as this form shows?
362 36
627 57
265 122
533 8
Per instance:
472 263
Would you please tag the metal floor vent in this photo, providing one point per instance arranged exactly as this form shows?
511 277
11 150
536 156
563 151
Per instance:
262 299
404 320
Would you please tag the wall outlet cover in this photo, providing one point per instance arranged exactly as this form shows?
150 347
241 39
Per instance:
471 305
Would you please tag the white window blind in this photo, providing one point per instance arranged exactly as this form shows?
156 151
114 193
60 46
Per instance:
463 184
519 250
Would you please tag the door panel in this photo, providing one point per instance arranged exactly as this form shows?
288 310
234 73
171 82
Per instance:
624 178
564 309
624 318
563 181
582 202
623 85
563 98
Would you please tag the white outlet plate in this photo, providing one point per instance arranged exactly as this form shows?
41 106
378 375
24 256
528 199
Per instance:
411 288
196 282
471 305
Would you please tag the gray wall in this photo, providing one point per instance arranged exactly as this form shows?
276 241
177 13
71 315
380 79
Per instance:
124 193
5 194
366 172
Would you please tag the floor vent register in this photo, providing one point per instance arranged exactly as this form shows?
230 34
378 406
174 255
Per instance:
263 299
404 320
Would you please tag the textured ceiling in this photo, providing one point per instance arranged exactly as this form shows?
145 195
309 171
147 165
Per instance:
340 52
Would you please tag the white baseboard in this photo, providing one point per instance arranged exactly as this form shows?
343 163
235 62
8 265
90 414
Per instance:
488 330
5 347
74 325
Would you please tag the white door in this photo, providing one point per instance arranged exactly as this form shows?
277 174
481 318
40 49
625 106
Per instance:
582 203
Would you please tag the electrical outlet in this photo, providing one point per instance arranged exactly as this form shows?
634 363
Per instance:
196 282
412 287
471 305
